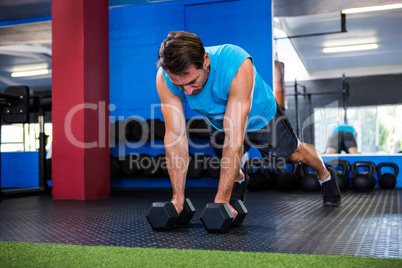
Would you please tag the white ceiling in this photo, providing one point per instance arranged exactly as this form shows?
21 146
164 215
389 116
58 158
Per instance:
382 27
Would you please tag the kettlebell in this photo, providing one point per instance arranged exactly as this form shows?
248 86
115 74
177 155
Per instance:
387 180
266 167
256 176
287 180
342 175
309 181
363 181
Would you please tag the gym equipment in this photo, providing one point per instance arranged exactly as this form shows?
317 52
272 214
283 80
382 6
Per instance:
342 175
257 181
198 128
287 180
156 129
135 130
213 166
150 166
196 166
162 216
241 209
130 166
115 169
309 181
363 181
387 180
161 158
217 217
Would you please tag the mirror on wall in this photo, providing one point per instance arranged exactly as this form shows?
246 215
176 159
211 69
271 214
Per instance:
378 128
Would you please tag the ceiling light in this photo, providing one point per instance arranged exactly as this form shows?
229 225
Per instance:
30 73
369 9
349 48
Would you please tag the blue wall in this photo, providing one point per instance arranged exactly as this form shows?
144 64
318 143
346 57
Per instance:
137 31
20 170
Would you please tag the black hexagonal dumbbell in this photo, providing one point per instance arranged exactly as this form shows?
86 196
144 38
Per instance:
162 216
217 217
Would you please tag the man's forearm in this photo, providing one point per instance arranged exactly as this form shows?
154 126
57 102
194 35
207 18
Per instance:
177 163
230 165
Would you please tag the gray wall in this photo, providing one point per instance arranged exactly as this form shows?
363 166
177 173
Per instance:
363 91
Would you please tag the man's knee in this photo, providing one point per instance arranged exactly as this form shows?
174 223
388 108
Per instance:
297 155
301 153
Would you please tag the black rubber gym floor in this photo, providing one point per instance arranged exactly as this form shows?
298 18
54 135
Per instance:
368 224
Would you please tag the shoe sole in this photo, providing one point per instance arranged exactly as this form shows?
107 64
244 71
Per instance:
329 204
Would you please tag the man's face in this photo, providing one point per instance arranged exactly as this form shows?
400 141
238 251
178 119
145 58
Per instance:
194 80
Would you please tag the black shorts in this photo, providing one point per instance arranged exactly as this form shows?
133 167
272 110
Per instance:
341 140
276 140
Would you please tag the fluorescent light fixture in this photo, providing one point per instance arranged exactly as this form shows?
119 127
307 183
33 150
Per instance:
349 48
369 9
30 73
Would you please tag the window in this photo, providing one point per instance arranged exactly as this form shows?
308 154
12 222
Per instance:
23 137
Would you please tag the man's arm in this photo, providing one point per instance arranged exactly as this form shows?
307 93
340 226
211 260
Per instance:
234 124
176 143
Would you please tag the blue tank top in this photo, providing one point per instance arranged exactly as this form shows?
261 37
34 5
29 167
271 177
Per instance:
344 128
225 60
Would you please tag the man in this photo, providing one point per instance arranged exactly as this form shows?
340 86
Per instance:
221 83
343 137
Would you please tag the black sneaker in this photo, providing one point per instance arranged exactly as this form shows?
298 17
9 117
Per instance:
330 190
239 189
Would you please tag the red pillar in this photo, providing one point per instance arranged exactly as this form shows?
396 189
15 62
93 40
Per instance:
80 99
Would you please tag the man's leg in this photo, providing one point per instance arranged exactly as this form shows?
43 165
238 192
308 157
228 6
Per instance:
307 154
278 140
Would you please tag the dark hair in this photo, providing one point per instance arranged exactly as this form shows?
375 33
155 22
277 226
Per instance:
180 50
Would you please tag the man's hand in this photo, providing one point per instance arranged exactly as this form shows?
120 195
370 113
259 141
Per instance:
234 212
178 204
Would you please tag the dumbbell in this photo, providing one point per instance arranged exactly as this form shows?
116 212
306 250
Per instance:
196 166
217 217
162 216
114 167
213 166
130 166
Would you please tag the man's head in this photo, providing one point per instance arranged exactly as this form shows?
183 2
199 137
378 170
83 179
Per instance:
182 56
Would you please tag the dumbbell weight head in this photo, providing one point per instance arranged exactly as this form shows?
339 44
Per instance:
187 214
216 217
241 209
213 167
387 180
162 216
196 167
130 166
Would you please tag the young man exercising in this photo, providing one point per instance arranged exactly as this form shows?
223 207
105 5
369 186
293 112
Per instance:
221 83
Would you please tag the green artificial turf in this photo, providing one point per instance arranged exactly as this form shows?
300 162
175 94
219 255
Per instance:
15 254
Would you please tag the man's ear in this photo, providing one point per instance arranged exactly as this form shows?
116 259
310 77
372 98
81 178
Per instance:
206 59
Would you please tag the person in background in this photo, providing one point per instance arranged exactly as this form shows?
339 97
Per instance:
343 138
